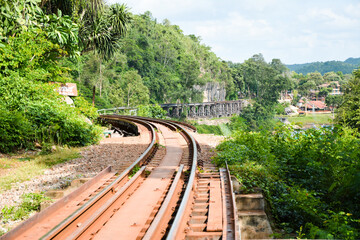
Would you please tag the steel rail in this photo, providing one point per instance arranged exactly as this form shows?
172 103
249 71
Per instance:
160 121
153 120
183 123
175 227
106 191
28 224
236 225
102 210
191 181
156 229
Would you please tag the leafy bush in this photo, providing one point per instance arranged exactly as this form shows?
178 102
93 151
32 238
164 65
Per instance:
303 175
61 124
152 111
208 129
85 108
15 131
280 108
258 116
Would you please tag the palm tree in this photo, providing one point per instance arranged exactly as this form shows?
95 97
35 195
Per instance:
100 26
101 31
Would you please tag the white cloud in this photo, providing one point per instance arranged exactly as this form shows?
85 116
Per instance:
295 31
329 18
234 27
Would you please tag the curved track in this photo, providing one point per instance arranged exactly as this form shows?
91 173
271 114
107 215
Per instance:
147 203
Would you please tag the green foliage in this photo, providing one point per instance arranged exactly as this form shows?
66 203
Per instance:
167 61
30 203
61 124
25 16
208 129
16 131
280 108
237 123
345 67
258 116
101 29
152 111
31 110
85 108
349 110
134 171
32 56
41 116
264 81
337 226
18 16
303 174
135 92
333 101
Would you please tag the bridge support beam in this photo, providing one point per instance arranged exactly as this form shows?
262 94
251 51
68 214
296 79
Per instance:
205 110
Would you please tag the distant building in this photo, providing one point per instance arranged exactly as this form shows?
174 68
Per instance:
335 87
314 106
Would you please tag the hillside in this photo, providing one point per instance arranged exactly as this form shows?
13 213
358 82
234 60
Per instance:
156 63
345 67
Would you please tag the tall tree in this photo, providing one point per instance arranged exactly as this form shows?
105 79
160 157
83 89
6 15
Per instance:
333 101
349 110
135 92
101 31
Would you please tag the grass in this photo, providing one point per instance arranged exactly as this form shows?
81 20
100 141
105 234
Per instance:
25 168
220 130
6 163
208 129
30 202
317 119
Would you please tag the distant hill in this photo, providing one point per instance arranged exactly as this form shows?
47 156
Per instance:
345 67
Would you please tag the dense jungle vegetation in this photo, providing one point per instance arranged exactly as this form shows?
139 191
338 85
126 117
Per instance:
155 63
309 178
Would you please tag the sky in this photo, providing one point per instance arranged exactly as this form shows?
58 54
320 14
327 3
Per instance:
295 31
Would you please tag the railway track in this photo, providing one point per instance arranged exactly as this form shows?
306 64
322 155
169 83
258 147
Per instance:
172 199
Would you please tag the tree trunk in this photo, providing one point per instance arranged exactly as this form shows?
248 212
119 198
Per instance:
93 100
100 78
79 78
128 97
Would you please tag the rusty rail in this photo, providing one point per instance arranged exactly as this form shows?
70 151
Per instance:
191 180
105 209
158 226
14 233
175 227
230 218
107 192
100 206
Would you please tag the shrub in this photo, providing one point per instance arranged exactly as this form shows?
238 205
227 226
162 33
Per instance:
60 123
15 131
152 111
85 108
308 177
